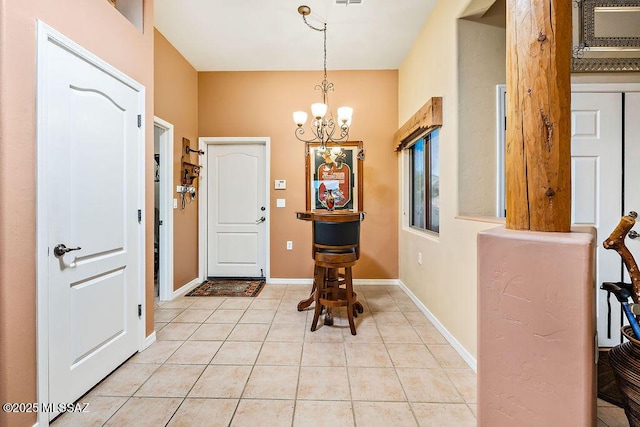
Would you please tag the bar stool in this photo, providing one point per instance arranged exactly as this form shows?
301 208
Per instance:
336 245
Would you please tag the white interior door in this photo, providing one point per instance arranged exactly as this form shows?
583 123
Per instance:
163 130
237 210
632 168
596 158
90 142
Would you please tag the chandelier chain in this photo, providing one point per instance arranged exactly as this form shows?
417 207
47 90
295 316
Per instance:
323 127
324 31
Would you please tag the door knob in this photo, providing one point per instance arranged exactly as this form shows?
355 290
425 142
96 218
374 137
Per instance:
262 219
61 249
633 234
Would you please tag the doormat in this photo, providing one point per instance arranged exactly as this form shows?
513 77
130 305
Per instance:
229 287
607 387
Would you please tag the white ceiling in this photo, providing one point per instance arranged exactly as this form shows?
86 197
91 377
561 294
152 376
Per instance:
250 35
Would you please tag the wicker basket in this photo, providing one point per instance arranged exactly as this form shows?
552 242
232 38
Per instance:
625 363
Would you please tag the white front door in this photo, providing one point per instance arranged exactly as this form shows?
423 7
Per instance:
596 157
90 182
237 210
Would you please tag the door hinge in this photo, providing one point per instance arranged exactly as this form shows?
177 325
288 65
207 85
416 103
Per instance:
139 310
139 120
139 215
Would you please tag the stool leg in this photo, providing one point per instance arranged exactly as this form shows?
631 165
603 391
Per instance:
307 302
348 279
330 285
319 282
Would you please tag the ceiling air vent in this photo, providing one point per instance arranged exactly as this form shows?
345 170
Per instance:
348 2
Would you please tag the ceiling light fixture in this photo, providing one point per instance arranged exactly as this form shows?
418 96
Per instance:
323 127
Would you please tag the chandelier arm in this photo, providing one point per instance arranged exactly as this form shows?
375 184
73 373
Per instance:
331 130
344 132
344 137
300 131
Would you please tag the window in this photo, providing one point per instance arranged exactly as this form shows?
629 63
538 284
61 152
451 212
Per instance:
424 179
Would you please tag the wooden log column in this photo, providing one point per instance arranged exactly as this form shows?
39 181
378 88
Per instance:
538 137
536 293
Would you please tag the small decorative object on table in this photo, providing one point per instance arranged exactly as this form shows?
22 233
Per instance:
329 200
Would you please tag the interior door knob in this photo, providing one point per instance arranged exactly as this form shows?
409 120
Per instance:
633 234
61 249
262 219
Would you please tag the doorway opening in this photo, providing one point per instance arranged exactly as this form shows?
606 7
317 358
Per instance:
163 209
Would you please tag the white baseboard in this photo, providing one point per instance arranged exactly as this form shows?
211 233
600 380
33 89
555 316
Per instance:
471 361
186 288
358 282
276 281
376 282
149 340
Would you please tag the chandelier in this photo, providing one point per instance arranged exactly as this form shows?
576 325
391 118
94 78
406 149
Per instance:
323 126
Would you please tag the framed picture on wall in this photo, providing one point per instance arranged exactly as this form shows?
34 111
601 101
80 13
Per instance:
605 36
337 168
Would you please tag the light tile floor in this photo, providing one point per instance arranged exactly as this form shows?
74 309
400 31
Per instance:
254 362
610 415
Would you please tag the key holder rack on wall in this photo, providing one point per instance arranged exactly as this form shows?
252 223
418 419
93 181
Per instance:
190 168
189 173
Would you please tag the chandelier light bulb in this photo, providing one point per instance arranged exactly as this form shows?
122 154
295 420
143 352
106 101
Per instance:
345 114
300 118
318 110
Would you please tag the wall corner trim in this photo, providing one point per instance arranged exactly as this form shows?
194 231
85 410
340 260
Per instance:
186 288
471 361
149 340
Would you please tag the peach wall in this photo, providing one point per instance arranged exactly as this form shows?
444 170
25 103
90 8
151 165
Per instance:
260 104
98 27
176 101
536 312
446 282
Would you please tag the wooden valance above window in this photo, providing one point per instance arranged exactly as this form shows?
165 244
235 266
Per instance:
427 117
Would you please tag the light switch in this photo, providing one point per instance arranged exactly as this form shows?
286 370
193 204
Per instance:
280 203
280 184
175 203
